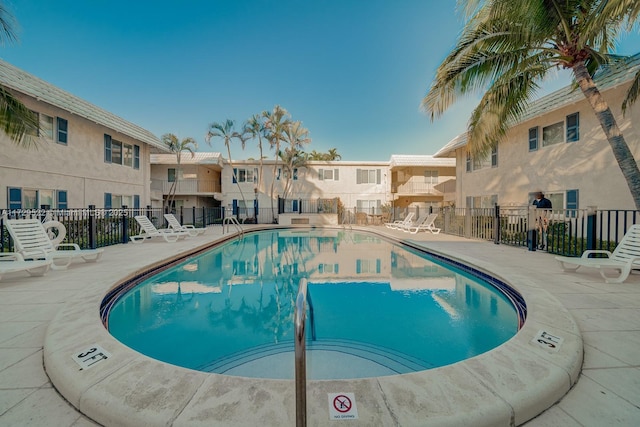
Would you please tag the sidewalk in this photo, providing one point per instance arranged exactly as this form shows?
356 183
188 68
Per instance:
607 393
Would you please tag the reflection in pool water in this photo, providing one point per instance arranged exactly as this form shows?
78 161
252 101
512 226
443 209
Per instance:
378 308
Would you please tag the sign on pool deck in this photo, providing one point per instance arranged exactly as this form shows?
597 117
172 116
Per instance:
342 406
548 341
90 356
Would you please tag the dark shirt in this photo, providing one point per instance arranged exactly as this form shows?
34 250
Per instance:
543 203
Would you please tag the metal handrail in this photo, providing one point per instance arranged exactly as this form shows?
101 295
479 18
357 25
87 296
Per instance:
300 355
232 220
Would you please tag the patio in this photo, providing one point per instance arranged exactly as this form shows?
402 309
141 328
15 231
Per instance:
606 392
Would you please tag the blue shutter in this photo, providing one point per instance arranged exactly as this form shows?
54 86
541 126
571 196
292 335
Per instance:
63 127
295 174
235 174
107 200
294 205
235 207
136 201
378 266
358 266
573 127
107 148
62 200
572 202
15 198
533 139
136 157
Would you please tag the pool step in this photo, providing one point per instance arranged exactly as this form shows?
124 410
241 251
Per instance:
392 361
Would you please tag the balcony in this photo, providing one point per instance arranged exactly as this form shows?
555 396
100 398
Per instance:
188 186
412 188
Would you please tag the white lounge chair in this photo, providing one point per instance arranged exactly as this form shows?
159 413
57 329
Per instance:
32 242
148 231
424 222
401 222
12 262
175 225
624 258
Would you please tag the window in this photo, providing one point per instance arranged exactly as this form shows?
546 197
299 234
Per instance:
63 127
121 154
328 175
116 152
171 175
482 162
32 198
245 175
127 155
364 266
573 127
494 157
552 134
533 139
368 176
46 126
431 177
482 202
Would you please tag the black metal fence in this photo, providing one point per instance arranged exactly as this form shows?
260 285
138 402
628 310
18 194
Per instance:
559 231
96 227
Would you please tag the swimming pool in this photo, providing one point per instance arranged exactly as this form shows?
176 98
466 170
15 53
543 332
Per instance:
379 308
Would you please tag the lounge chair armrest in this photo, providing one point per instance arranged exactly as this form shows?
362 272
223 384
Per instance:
586 253
15 256
70 245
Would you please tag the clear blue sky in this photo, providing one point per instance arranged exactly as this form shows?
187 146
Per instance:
353 71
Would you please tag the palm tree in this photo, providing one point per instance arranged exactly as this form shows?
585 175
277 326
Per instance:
297 136
333 154
18 122
256 128
227 133
177 146
276 122
511 46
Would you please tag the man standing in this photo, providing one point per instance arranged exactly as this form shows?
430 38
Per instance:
542 202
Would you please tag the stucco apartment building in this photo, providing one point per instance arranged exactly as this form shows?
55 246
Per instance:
559 148
84 155
402 182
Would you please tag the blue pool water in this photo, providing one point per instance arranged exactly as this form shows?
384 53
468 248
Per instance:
379 308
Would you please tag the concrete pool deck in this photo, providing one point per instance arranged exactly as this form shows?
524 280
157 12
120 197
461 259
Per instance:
607 390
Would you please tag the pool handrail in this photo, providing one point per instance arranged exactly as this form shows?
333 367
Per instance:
232 220
300 317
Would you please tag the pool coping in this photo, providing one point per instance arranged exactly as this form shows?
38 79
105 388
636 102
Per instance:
506 386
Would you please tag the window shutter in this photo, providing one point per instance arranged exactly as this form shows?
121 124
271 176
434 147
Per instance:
335 175
15 198
573 127
320 174
136 157
533 139
358 177
234 206
107 148
295 174
235 174
107 200
378 176
61 202
136 201
63 126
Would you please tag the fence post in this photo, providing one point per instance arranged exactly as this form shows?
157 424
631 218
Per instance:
92 227
125 223
496 225
591 227
467 222
532 234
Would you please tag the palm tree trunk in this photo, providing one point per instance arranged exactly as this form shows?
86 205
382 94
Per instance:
273 178
621 150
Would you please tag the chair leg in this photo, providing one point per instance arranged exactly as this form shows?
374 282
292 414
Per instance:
624 273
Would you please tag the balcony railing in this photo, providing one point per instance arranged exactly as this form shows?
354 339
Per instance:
414 188
187 186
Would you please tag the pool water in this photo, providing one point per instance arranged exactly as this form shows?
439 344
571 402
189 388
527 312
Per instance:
378 308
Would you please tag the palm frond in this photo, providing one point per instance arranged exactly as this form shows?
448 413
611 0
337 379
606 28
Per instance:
632 94
17 121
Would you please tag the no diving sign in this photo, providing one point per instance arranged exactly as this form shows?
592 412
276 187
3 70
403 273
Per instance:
342 406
